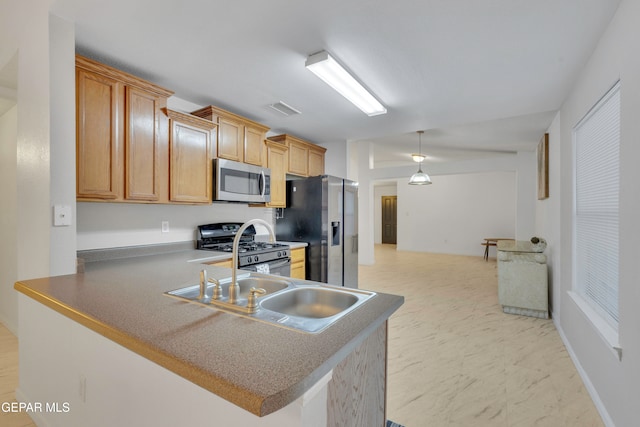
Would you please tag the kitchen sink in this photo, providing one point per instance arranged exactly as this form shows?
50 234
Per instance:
310 302
310 307
246 282
290 303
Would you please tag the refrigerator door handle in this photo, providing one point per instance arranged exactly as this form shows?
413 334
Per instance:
335 233
354 244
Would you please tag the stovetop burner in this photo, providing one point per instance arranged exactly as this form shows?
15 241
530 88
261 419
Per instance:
245 247
220 236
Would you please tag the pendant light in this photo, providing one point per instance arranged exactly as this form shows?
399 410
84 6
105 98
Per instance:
419 178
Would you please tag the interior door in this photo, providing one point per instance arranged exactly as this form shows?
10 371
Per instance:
389 219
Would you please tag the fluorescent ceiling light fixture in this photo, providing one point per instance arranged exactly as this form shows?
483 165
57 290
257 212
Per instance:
328 69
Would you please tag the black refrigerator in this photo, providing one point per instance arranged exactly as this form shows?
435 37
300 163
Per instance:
323 212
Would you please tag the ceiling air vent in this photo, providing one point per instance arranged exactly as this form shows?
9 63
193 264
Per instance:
285 109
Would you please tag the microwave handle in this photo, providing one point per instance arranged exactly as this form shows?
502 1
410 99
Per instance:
263 183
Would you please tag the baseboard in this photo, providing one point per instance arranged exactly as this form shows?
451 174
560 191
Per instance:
602 410
9 325
35 416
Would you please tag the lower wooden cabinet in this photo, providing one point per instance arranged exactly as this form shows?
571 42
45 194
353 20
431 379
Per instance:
226 263
298 266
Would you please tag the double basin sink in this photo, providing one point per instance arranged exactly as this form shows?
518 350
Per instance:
296 304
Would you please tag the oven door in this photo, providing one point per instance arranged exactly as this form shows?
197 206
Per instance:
240 182
280 267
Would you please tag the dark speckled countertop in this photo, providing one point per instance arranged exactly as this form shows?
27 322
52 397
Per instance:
123 300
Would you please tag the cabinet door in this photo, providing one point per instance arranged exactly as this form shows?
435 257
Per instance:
316 163
189 163
298 159
226 264
277 162
230 139
253 146
99 139
298 263
141 146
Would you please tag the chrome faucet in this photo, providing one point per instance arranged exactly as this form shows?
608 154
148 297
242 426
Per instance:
234 289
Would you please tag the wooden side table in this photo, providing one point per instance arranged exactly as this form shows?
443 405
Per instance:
491 241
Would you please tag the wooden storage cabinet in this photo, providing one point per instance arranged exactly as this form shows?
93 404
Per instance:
99 138
254 145
121 135
316 161
190 169
142 181
226 263
304 158
230 135
298 265
239 138
277 162
298 158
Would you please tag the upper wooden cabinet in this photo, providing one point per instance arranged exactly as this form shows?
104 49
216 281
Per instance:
190 169
316 160
99 101
142 145
277 162
239 138
304 158
121 135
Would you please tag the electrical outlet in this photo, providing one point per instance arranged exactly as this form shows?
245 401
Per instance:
61 215
165 226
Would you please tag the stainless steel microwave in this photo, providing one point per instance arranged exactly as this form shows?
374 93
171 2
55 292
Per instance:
241 182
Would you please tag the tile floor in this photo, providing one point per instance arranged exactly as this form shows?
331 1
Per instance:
456 359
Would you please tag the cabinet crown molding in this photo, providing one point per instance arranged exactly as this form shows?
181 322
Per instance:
189 119
85 63
211 111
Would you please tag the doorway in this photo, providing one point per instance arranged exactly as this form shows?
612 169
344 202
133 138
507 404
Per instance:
389 219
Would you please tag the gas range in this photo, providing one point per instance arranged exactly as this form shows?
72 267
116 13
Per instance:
219 237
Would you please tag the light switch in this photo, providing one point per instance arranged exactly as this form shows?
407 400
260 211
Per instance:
61 215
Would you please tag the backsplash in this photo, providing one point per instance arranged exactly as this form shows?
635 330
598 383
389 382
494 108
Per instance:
112 225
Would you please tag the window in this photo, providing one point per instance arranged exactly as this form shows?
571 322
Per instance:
597 155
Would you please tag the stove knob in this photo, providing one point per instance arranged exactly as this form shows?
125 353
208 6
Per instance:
255 258
249 259
279 254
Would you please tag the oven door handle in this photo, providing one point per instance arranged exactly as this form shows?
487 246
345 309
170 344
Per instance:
279 263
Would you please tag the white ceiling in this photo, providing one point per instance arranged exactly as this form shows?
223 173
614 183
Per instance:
479 76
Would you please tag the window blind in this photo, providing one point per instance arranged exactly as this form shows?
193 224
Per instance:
597 183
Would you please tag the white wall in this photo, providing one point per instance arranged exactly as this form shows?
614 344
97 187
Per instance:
456 212
526 193
521 170
109 225
614 384
547 213
63 142
335 159
8 218
24 28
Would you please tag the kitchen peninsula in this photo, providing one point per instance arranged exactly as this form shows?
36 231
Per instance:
119 352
